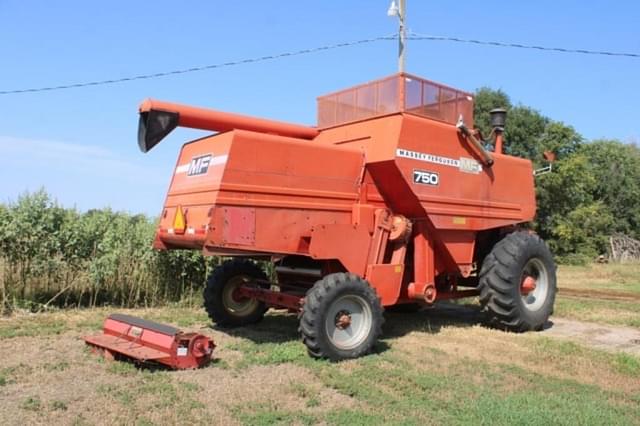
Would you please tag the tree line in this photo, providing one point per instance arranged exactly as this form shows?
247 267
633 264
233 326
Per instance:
593 191
52 256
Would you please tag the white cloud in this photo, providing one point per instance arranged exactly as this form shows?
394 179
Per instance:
72 158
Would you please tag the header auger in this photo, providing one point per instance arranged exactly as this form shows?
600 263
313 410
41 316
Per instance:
391 200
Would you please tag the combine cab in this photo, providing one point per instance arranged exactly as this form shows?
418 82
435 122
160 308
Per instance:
391 200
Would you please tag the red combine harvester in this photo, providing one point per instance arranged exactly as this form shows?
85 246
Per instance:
391 200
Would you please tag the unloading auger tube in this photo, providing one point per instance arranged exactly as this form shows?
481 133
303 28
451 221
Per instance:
158 119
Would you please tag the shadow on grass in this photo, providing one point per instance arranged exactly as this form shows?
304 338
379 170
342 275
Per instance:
279 327
276 327
433 319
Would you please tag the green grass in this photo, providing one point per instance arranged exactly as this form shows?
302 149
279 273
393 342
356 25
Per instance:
469 392
11 375
32 404
35 326
444 388
266 416
625 313
180 316
152 390
268 353
54 323
426 370
557 351
624 278
121 368
59 406
620 278
627 364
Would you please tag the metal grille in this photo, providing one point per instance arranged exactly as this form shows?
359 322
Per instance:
398 93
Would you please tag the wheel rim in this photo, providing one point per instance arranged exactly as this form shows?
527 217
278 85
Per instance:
348 322
534 284
235 305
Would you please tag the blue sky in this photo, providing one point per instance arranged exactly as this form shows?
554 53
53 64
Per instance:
80 144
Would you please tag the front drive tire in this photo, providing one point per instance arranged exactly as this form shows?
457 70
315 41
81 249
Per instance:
223 307
518 283
341 317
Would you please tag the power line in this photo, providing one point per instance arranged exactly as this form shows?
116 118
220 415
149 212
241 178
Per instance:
200 68
412 36
416 36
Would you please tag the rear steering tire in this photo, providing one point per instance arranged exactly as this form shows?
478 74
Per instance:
341 317
518 283
224 307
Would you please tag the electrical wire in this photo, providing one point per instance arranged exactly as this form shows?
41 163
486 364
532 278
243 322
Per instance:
411 36
200 68
415 36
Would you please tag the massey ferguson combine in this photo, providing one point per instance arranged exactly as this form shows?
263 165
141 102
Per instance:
392 200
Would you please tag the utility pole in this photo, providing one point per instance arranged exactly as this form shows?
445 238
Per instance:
400 10
402 36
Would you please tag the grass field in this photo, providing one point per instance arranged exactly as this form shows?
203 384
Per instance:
614 298
439 366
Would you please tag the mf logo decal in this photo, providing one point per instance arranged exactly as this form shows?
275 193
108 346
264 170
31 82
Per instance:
426 178
199 165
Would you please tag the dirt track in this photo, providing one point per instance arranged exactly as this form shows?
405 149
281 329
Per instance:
599 294
611 338
599 336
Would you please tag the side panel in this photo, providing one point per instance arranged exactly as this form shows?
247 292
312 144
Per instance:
456 190
426 170
194 185
265 197
345 242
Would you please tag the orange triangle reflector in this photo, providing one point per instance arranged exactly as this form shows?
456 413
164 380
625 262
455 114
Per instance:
179 222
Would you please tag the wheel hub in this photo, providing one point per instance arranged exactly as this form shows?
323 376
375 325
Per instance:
343 320
348 321
237 296
528 285
233 300
534 285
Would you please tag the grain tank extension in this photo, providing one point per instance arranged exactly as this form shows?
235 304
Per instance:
393 199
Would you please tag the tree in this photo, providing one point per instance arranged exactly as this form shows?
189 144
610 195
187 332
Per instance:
487 99
616 168
584 231
525 127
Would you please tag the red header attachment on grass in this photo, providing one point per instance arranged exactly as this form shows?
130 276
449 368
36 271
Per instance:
144 341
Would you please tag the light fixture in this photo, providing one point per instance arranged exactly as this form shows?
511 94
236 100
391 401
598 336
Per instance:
393 9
